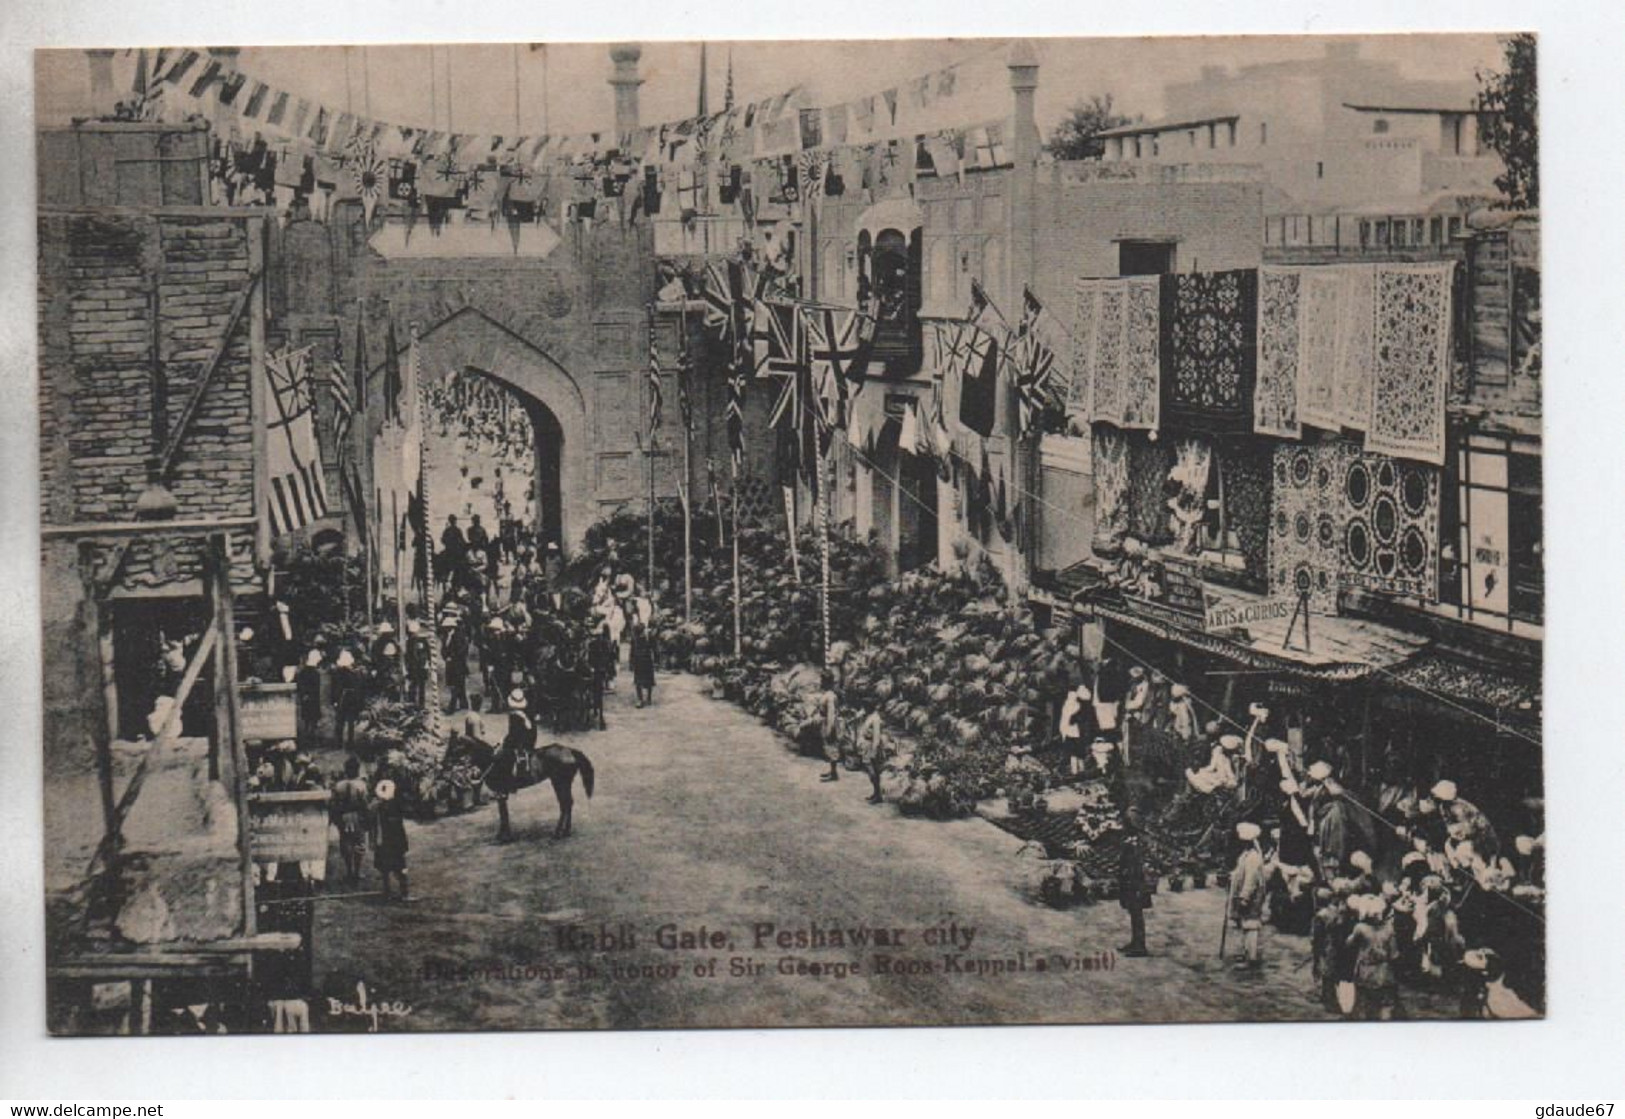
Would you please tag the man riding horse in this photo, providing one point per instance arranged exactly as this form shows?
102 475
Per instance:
510 765
517 764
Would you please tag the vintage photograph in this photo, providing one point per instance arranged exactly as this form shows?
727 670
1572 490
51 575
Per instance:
790 533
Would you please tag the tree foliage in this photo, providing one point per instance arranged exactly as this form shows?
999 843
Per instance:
1077 136
1509 100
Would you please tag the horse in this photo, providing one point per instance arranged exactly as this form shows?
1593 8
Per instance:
554 762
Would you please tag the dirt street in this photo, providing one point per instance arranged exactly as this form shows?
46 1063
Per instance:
703 887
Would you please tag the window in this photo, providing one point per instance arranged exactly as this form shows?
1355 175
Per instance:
1525 539
1380 126
1191 135
1145 258
1212 136
1503 551
1320 169
1263 132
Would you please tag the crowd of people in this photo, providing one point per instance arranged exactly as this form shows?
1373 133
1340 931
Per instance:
1409 886
512 624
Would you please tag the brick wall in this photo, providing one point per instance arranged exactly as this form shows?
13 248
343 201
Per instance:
101 275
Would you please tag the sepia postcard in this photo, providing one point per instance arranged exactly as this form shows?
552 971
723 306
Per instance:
765 534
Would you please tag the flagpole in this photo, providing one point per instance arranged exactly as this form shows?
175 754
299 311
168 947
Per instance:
823 532
400 587
734 469
431 691
687 495
790 522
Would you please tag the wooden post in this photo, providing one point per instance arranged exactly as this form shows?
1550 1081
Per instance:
738 641
823 533
400 584
219 551
257 231
687 389
790 526
105 732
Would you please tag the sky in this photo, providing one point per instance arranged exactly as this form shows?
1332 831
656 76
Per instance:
562 88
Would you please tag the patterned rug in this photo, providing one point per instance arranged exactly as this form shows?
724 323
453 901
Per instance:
1115 352
1275 398
1209 350
1390 537
1319 302
1345 517
1411 367
1356 334
1305 536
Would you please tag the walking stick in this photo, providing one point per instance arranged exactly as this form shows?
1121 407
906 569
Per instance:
1224 933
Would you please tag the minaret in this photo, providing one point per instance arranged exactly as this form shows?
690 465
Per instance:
705 66
626 83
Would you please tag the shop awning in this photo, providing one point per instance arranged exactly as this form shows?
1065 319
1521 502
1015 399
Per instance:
1340 649
1512 700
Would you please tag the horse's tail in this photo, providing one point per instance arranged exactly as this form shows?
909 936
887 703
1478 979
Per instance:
586 772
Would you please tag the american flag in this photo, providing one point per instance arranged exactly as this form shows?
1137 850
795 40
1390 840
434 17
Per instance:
655 397
297 494
338 389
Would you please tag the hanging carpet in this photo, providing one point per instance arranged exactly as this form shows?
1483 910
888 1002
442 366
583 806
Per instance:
1209 350
1275 399
1411 361
1116 365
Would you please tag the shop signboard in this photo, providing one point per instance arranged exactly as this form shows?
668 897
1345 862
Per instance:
288 827
269 712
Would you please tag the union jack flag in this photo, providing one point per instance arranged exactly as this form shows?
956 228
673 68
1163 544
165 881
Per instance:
783 355
837 345
1034 362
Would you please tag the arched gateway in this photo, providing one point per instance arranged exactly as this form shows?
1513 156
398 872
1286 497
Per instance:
471 342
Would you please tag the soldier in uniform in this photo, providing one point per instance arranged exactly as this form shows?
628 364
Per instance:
507 768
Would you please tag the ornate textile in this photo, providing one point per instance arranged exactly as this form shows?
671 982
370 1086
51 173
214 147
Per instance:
1319 302
1390 537
1142 341
1115 352
1244 480
1148 467
1411 370
1111 465
1344 517
1275 399
1209 350
1305 529
1193 461
1356 333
